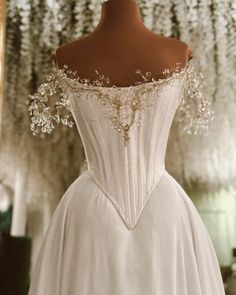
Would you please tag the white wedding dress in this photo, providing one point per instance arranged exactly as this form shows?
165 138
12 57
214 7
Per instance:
125 226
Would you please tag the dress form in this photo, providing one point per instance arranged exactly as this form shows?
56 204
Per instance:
121 44
125 225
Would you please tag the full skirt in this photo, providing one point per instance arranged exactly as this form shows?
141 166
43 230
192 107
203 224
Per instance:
88 250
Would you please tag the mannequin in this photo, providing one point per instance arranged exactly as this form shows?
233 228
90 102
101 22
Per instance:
119 45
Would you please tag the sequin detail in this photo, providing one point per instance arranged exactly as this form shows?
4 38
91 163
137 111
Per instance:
124 106
195 111
45 113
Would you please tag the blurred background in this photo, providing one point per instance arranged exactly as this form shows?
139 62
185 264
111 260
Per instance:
36 171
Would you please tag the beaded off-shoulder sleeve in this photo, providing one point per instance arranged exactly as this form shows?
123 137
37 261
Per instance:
49 106
195 109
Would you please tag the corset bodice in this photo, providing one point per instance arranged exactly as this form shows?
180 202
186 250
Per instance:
126 172
124 130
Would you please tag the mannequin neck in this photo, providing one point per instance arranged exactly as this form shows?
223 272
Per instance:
120 14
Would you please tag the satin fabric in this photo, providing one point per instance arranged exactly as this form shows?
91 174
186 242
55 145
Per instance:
125 226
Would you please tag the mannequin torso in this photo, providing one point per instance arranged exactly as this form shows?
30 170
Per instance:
119 45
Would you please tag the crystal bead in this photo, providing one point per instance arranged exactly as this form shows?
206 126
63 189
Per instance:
124 105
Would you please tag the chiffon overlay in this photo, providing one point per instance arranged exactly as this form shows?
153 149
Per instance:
124 226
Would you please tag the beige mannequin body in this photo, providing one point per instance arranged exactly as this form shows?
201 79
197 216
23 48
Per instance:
119 45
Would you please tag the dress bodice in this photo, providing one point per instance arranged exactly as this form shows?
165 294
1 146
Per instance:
124 130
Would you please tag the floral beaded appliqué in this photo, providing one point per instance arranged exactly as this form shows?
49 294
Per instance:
45 114
124 106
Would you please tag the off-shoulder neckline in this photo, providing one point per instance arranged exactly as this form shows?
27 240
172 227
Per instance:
81 82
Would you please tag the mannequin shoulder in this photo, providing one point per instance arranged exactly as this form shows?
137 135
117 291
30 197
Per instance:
181 47
173 47
61 54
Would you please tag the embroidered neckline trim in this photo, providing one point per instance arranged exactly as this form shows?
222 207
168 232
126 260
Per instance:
127 106
98 84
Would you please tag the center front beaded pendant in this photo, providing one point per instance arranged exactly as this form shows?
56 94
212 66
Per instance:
125 106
